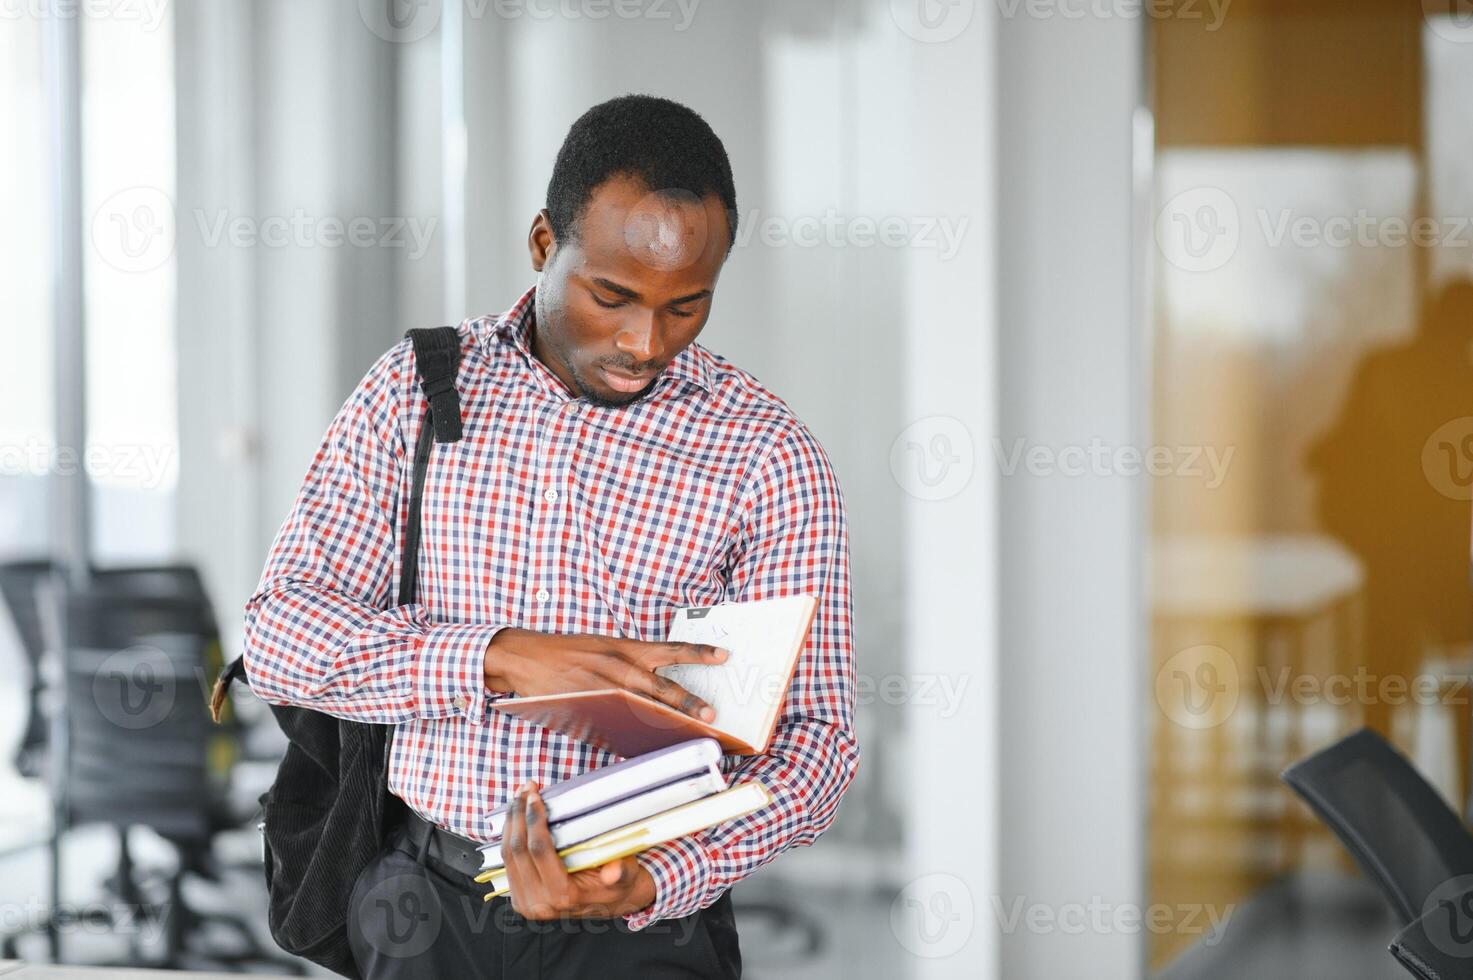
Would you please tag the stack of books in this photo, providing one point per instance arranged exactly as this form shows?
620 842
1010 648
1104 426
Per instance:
670 783
610 813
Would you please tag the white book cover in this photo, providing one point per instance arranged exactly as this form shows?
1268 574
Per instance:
729 804
621 814
600 787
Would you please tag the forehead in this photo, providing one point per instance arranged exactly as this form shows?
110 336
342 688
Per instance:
655 240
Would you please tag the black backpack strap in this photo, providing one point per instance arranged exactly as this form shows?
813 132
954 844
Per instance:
437 358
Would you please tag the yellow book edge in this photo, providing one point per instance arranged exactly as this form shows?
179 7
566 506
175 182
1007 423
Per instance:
633 838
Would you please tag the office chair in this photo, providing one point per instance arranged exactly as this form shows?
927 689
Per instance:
1401 833
130 748
1406 839
1439 944
18 583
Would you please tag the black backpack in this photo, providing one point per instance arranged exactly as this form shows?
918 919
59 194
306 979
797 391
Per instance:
329 810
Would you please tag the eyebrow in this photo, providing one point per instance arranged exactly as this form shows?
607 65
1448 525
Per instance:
628 293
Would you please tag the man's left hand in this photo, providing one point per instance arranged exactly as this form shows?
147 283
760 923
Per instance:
541 887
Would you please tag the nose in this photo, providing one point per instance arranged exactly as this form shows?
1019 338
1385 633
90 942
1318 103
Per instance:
636 337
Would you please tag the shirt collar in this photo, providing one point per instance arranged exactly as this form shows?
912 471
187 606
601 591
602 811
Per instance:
692 365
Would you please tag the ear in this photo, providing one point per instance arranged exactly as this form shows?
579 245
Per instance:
541 244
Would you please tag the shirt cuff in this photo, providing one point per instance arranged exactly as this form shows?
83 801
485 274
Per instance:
450 672
682 869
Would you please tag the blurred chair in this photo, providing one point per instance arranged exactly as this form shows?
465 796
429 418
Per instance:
19 581
130 748
19 585
1439 944
1403 836
1400 832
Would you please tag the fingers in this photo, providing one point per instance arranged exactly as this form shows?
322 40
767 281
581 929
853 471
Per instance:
541 887
651 655
542 854
645 657
523 875
666 691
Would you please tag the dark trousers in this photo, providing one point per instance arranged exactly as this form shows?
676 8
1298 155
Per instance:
414 916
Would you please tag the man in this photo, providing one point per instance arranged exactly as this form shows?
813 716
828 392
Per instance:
611 471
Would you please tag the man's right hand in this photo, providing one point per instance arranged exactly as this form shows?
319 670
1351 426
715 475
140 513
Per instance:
532 663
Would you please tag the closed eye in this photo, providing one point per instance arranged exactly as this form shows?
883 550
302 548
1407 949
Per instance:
681 313
607 306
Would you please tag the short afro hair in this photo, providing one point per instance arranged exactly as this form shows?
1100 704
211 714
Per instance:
664 144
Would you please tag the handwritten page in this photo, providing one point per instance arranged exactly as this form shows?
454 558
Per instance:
763 640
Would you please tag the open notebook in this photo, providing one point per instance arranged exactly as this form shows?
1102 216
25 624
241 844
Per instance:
763 638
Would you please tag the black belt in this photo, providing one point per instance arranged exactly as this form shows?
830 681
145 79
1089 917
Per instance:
449 849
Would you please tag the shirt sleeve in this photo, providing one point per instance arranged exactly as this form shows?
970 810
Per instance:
793 541
322 630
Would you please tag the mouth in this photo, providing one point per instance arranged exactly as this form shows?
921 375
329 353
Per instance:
627 383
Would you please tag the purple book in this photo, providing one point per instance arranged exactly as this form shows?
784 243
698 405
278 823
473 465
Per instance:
611 784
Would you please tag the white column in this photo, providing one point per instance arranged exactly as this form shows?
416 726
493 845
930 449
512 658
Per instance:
943 916
218 503
1071 370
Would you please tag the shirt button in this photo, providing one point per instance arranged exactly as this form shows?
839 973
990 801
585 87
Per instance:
543 595
550 496
462 703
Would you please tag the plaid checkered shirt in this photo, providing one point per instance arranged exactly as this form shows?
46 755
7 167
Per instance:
556 515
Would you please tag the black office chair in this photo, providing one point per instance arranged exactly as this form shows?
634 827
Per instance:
18 583
130 748
1401 834
1439 944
